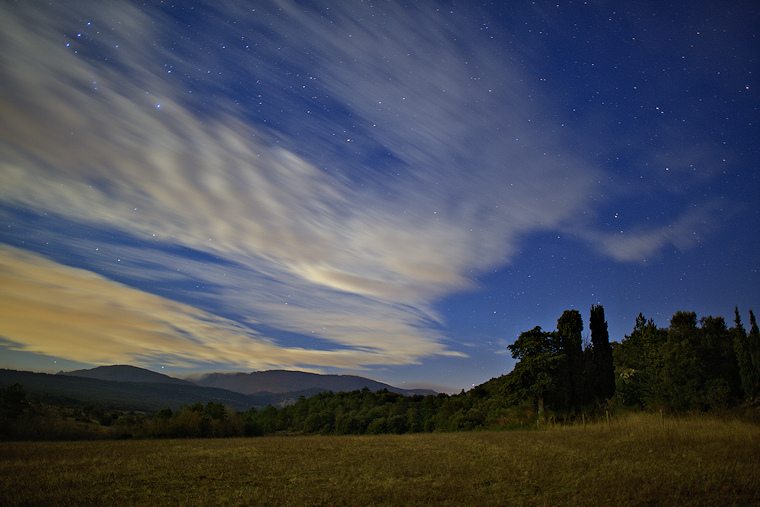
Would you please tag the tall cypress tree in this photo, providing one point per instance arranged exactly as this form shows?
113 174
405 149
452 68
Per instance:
603 376
569 338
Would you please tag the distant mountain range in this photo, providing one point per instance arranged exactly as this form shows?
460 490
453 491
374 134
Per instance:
125 373
70 390
285 381
127 387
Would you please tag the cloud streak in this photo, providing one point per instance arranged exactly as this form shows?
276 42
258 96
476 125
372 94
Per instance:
107 136
111 156
75 314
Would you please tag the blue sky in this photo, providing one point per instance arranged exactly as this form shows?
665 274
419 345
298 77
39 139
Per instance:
384 189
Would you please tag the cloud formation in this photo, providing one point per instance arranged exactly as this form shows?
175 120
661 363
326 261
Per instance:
75 314
96 128
111 156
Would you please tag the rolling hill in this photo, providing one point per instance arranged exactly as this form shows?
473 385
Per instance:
286 381
124 387
126 373
70 390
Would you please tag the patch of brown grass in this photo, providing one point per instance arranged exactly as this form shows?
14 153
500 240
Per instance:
634 461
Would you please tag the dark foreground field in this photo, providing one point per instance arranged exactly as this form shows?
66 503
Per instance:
637 461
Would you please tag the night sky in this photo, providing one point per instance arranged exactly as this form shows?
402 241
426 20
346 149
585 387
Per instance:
394 190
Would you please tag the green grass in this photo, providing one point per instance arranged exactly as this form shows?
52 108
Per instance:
640 460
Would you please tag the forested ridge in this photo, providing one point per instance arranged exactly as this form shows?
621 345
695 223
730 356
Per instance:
693 365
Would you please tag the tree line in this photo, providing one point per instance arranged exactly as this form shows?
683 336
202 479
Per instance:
693 365
553 366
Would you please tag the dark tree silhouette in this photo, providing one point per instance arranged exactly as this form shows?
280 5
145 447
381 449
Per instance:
747 347
603 374
569 338
535 375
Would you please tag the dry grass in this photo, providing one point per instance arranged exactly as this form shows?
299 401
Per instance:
640 460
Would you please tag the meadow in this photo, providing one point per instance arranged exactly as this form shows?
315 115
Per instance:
639 459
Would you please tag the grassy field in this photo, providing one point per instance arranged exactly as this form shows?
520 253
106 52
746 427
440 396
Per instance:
640 460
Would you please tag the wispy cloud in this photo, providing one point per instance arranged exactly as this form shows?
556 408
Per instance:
639 244
353 255
75 314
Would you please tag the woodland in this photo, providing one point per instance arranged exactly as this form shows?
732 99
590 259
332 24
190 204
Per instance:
692 366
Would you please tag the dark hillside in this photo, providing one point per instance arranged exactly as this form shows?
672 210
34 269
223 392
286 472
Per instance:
125 373
108 394
282 381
